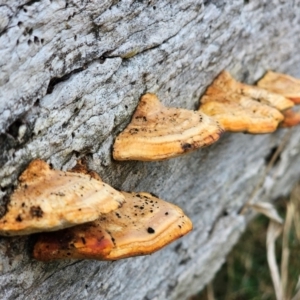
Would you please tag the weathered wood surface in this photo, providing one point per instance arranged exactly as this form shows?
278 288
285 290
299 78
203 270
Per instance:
71 76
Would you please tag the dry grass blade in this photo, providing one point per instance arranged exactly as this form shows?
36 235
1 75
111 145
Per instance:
260 183
268 210
273 233
295 199
274 230
285 246
210 292
297 296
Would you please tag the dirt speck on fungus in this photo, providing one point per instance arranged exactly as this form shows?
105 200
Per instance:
186 146
19 219
36 211
150 230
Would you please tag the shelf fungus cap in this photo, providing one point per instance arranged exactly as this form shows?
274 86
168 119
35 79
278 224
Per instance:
48 200
282 84
291 118
226 83
237 112
157 132
143 225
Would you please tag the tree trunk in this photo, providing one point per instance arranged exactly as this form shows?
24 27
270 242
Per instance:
72 73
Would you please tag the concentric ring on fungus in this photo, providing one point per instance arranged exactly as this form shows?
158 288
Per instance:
143 225
242 108
157 132
282 84
48 200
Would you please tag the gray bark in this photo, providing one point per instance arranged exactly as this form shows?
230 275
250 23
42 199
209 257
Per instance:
71 76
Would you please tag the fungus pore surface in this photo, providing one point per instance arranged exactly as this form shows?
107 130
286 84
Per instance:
157 132
48 200
143 225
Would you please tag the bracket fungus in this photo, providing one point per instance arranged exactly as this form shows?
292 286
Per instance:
226 83
157 132
143 225
282 84
291 118
239 107
48 200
